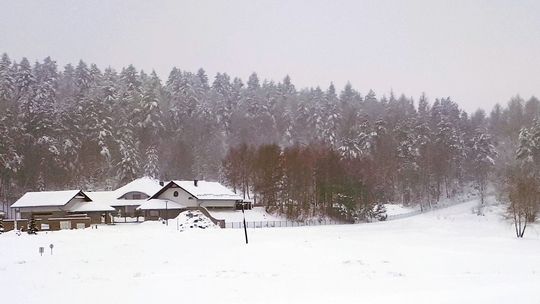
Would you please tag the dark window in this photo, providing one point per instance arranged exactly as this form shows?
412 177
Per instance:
136 196
175 194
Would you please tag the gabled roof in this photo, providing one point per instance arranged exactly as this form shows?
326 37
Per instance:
146 185
203 191
47 198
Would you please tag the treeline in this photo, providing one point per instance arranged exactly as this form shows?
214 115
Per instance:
414 155
80 126
303 181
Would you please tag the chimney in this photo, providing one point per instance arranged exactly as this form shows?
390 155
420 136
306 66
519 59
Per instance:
161 183
195 182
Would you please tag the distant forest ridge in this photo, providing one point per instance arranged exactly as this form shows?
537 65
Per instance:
298 151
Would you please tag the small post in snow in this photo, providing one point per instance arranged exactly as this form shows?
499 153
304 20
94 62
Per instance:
245 229
166 213
41 250
51 246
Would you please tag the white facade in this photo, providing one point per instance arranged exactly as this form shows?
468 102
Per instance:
182 198
204 194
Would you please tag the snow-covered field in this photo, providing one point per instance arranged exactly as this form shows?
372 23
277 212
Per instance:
255 214
445 256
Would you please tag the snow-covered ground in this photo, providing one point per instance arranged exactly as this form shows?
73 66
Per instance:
398 209
255 214
444 256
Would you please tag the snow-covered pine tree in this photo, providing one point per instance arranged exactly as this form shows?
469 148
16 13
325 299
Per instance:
83 78
301 131
225 104
331 116
203 79
32 227
7 82
151 166
482 155
528 151
149 113
316 121
128 166
424 135
407 155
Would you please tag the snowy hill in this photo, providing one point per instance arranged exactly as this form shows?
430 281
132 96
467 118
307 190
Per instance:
449 255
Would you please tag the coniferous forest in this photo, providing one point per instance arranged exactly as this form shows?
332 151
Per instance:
299 151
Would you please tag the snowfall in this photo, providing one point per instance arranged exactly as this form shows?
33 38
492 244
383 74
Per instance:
449 255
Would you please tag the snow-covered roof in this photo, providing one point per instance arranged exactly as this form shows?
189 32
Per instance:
126 202
91 206
160 204
109 198
101 196
146 185
45 198
208 190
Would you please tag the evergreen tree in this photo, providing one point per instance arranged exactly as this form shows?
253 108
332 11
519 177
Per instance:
482 155
151 166
128 166
32 227
7 82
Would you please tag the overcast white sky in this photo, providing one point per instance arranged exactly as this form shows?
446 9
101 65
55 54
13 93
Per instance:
478 52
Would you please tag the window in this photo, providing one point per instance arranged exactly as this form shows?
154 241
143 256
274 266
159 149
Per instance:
65 225
136 196
44 227
175 193
154 213
81 226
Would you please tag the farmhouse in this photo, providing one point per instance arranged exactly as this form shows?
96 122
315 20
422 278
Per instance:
177 196
62 209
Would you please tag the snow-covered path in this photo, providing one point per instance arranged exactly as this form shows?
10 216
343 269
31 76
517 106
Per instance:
445 256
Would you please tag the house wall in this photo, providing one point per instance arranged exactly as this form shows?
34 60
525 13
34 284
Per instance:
134 195
182 198
98 217
41 213
53 223
217 204
154 215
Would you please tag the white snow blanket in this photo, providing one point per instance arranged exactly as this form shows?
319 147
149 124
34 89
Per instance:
446 256
255 214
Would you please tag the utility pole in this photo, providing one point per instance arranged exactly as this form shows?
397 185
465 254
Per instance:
245 228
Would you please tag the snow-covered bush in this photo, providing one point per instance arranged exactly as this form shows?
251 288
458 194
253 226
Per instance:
194 219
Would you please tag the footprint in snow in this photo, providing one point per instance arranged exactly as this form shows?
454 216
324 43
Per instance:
137 275
21 262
